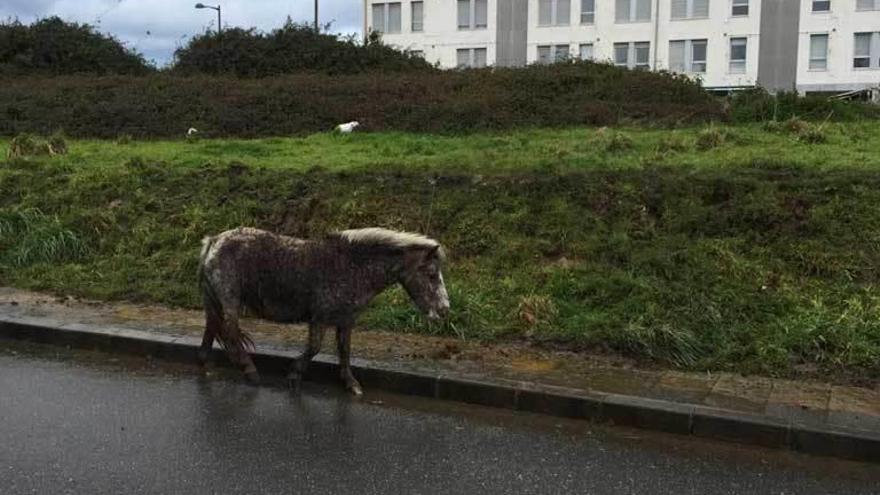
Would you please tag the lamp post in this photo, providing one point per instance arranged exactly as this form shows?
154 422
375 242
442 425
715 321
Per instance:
316 16
217 8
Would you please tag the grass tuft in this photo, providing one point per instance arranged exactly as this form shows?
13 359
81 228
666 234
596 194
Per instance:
28 236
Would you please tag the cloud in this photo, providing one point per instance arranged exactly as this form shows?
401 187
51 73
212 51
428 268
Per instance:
156 27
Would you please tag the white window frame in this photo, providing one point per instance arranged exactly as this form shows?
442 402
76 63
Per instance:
739 3
631 62
736 65
689 61
553 51
820 3
873 51
875 5
412 16
689 11
592 49
588 10
815 64
633 12
386 8
472 15
472 57
555 13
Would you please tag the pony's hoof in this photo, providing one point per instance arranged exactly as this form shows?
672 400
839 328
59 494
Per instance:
252 377
355 389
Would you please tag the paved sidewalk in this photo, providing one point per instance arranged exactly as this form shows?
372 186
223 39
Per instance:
814 404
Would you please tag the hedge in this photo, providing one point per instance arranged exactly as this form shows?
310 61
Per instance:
163 105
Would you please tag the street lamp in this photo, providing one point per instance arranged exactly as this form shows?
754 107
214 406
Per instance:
217 8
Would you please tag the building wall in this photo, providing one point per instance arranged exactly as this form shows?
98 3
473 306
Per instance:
841 24
777 33
605 32
441 37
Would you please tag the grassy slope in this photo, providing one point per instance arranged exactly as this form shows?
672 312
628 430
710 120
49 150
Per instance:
849 146
758 255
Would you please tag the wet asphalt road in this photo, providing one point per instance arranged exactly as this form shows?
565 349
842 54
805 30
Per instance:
93 424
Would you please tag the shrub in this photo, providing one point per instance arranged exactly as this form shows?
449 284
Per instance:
710 137
581 93
53 46
292 48
802 130
757 105
614 141
29 145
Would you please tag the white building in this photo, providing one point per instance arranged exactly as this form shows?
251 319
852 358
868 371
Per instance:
811 45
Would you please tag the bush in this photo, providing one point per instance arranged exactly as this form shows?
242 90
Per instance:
757 105
614 141
582 93
709 138
293 48
24 145
802 130
52 46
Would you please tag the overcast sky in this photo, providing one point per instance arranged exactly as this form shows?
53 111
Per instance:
156 27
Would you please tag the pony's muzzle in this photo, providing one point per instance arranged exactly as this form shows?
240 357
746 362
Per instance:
438 314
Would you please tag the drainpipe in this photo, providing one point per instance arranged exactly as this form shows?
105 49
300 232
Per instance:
656 31
365 21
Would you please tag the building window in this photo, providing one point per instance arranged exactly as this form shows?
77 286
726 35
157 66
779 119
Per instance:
554 12
632 55
690 9
818 51
740 8
632 11
386 17
688 56
553 53
417 9
472 14
868 5
821 5
738 53
588 11
561 53
470 58
867 51
585 51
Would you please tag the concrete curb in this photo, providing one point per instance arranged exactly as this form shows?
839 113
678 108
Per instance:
671 417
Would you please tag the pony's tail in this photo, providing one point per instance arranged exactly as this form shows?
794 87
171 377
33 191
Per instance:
213 306
212 302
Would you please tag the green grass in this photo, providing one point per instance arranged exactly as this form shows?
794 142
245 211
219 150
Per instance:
758 254
561 150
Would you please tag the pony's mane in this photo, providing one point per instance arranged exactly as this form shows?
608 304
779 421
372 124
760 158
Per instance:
384 237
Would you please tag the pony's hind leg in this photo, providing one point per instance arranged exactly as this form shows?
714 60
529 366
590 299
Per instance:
299 366
236 343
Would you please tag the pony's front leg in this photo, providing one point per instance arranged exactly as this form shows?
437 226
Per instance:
299 366
343 348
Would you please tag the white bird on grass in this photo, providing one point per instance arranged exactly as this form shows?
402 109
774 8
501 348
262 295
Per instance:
191 131
347 127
